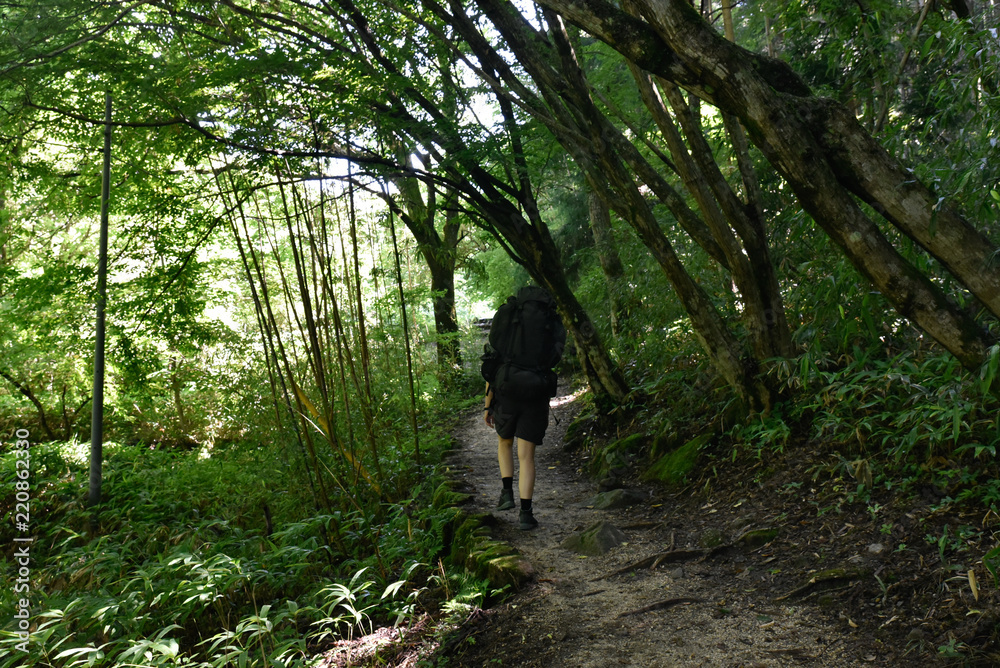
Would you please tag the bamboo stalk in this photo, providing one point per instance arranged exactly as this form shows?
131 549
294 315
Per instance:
97 414
406 341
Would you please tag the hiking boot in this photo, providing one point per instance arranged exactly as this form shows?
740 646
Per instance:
527 521
506 501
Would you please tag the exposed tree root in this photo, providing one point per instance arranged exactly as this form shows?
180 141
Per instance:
662 605
824 580
655 560
753 538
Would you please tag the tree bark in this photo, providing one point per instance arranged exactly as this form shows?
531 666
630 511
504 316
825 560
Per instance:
673 41
609 160
518 228
438 250
611 262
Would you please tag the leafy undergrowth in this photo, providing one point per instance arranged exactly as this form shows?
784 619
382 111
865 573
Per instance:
891 463
224 558
928 584
219 559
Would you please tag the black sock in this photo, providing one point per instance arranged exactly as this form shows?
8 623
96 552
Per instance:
526 504
508 483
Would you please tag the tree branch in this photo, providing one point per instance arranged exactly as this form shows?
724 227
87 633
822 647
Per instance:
177 120
26 391
79 42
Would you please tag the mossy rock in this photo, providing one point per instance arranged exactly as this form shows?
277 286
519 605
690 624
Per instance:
510 569
596 540
499 563
668 441
445 496
473 549
616 453
711 538
674 467
468 531
630 442
757 538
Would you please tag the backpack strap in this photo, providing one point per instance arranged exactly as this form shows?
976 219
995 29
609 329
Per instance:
516 331
508 348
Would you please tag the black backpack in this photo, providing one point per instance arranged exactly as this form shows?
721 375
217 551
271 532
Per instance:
526 340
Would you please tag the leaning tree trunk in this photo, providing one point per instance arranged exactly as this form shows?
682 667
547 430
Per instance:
868 171
609 162
737 233
819 160
532 246
524 235
542 260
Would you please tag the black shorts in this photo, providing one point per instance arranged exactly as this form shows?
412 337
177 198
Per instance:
526 420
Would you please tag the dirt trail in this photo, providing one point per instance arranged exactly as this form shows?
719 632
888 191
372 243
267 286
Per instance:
718 611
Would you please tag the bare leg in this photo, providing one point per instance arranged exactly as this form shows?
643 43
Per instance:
526 474
505 455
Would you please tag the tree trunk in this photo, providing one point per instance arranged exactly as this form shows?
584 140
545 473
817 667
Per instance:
727 218
438 251
175 386
519 230
673 41
611 262
602 151
445 317
878 179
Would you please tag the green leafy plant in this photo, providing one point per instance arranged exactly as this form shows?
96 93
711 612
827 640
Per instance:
991 560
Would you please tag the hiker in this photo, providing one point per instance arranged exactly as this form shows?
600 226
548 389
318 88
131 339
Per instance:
526 341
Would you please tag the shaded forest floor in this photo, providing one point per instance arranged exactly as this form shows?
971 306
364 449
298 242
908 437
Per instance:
834 582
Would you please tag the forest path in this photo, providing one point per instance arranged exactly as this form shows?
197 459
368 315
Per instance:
718 611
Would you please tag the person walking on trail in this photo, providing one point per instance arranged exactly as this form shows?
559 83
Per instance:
526 341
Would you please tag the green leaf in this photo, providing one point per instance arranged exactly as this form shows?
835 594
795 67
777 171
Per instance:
991 560
393 588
